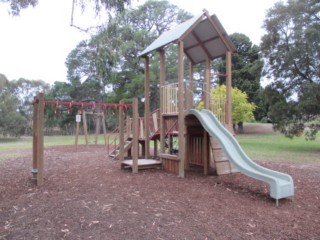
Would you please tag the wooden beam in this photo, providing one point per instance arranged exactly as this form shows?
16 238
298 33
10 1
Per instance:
228 113
204 42
77 130
35 139
207 85
104 128
222 37
181 135
85 128
40 139
205 151
98 127
147 109
186 33
190 91
135 137
202 45
162 83
121 135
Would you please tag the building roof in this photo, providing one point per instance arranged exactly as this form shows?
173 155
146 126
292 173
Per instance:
203 37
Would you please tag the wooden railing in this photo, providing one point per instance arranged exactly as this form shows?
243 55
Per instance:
113 138
218 107
170 98
170 101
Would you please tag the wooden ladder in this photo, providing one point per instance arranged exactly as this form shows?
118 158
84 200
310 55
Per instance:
221 161
115 152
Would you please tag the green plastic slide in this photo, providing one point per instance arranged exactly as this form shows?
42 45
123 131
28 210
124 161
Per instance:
281 184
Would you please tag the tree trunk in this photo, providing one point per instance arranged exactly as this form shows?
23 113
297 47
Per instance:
240 127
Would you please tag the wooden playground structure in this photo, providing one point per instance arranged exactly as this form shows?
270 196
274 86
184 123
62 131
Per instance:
199 40
182 140
188 137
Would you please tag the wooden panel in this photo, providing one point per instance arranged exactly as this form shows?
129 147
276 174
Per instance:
195 150
223 167
221 161
170 163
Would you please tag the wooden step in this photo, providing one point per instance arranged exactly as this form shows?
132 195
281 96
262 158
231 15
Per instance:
222 163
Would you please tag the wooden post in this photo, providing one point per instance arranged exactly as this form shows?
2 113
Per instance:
205 150
135 138
85 130
77 130
121 135
35 139
155 148
181 109
162 82
147 109
188 156
98 127
40 139
104 128
228 113
190 92
207 86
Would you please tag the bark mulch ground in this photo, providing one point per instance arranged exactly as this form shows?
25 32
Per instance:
86 196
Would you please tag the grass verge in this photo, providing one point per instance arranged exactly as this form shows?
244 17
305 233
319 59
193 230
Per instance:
270 147
277 147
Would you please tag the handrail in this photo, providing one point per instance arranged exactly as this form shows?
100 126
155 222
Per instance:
115 136
170 99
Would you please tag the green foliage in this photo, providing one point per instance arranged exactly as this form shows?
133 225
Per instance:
242 110
12 123
17 5
247 66
118 5
110 58
291 49
16 108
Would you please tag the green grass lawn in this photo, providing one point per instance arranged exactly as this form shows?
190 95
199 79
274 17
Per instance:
277 147
26 142
11 147
271 147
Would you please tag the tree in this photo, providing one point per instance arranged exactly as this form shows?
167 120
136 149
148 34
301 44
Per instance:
12 123
118 5
16 6
292 52
242 109
24 91
110 58
247 67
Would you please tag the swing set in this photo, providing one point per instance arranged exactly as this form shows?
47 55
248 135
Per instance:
39 104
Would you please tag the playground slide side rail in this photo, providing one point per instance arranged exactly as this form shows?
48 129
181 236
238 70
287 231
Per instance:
281 184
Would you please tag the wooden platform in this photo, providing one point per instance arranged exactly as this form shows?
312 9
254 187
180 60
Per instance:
143 163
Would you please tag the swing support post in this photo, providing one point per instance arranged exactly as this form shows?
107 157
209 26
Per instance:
38 146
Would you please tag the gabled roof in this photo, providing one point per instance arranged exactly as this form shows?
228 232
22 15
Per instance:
203 37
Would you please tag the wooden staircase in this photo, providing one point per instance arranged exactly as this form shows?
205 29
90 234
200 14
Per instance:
114 154
221 161
154 126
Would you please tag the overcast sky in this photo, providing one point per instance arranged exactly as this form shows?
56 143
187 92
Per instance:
35 44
